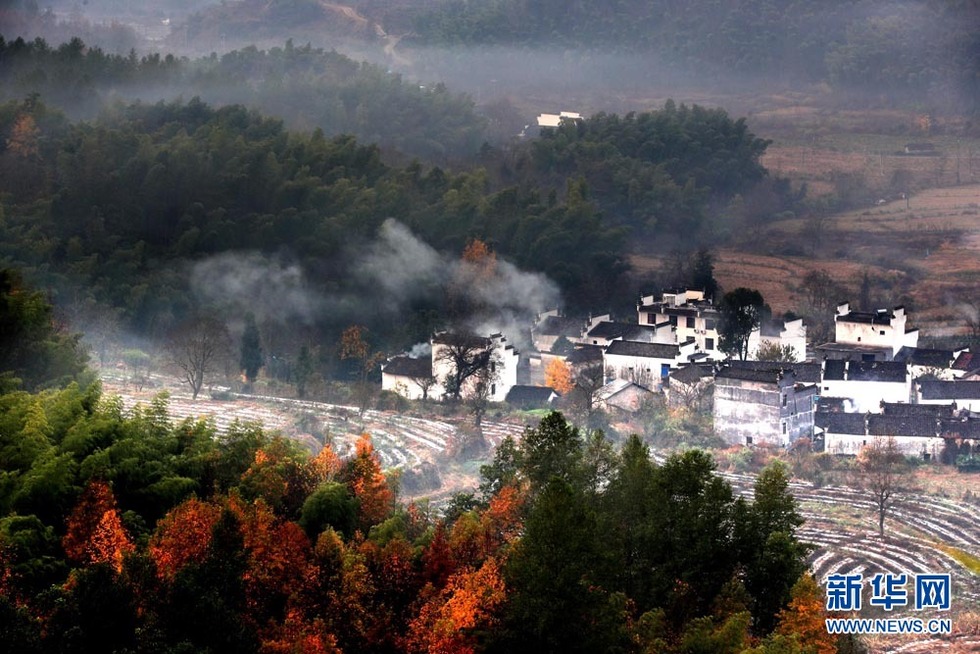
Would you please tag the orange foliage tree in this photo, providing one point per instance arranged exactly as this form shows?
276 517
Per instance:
469 603
364 477
23 140
299 635
183 536
805 616
95 532
558 375
437 559
324 466
278 555
478 255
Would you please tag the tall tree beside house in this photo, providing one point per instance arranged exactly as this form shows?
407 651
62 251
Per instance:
558 375
703 272
741 312
252 358
354 348
467 355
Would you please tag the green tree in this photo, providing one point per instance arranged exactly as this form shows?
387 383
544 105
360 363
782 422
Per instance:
33 351
251 358
331 505
555 605
741 313
552 449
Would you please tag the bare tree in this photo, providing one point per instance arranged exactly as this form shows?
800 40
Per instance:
588 382
139 364
355 348
467 355
819 295
425 384
881 466
485 378
197 349
695 397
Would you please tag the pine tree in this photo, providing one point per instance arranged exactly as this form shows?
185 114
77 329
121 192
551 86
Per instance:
252 358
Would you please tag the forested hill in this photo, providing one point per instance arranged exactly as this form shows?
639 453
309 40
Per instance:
913 47
307 87
112 211
118 212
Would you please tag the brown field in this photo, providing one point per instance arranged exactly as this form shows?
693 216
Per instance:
926 255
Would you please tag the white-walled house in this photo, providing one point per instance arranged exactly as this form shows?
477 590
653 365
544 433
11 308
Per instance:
689 315
402 374
602 330
917 430
645 364
410 378
885 329
762 407
929 361
791 333
966 394
866 383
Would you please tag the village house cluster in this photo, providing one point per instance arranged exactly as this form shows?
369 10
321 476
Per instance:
871 381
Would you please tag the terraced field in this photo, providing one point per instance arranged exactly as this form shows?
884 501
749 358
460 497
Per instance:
924 534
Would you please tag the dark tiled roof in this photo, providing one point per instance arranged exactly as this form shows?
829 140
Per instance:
691 374
407 367
927 410
880 317
805 372
770 375
882 371
585 354
881 425
854 348
452 338
558 326
833 369
950 390
920 356
840 423
966 361
523 395
648 350
951 428
625 330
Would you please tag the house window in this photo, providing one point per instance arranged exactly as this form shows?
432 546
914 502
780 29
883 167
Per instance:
673 320
748 440
709 324
881 332
784 399
784 427
493 389
859 339
709 343
690 321
664 369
